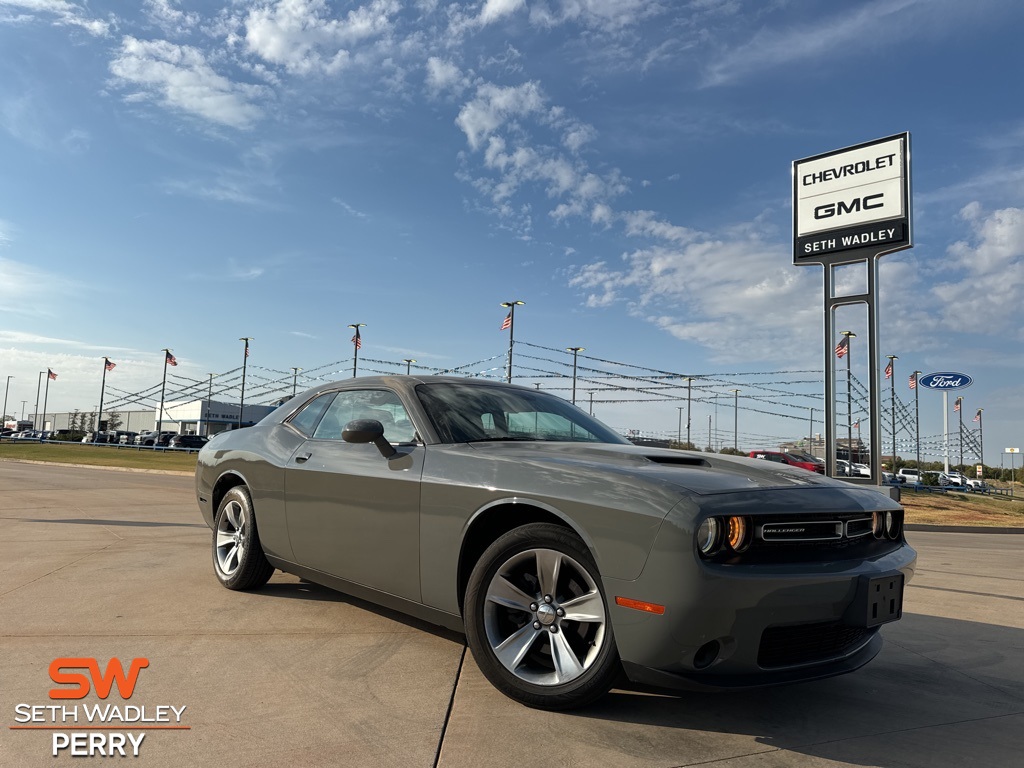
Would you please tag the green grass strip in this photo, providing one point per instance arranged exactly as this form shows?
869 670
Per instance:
99 455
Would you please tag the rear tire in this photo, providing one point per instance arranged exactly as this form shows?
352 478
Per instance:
537 620
238 558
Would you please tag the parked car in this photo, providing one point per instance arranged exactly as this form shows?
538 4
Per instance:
843 468
781 457
888 478
977 485
153 439
860 470
124 437
99 437
188 441
566 554
953 479
909 475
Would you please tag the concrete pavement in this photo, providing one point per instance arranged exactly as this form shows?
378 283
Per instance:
95 563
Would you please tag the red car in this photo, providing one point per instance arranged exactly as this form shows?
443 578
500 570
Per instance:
794 460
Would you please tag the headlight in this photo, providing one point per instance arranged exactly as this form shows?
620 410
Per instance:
708 536
877 524
738 535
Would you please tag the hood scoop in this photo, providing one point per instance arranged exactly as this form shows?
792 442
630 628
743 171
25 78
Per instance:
679 461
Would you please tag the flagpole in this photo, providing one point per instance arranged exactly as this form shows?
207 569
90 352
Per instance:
357 341
39 386
46 398
849 400
99 415
209 397
511 305
245 363
892 406
160 415
981 441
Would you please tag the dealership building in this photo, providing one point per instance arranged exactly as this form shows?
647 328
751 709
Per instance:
194 417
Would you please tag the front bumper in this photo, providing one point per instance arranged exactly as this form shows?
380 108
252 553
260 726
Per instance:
735 626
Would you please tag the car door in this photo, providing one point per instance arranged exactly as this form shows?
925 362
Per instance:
351 512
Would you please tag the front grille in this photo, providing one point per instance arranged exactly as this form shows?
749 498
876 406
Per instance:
809 643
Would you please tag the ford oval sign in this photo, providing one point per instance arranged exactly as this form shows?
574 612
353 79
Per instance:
945 380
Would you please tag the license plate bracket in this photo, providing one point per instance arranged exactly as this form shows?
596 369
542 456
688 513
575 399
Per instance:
879 600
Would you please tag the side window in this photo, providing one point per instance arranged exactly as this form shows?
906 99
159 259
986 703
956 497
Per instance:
306 420
381 405
778 457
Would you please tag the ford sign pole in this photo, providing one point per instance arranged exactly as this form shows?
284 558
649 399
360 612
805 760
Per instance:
944 382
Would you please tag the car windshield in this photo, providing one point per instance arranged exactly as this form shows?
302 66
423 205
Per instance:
470 413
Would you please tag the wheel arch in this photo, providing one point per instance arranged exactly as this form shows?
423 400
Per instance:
225 483
497 519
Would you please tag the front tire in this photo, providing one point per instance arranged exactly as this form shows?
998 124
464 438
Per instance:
537 620
238 558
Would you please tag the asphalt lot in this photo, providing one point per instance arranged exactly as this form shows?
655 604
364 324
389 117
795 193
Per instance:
99 563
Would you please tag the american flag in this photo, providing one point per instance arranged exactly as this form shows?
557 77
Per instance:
246 347
912 382
507 322
843 347
357 340
51 374
977 416
856 424
109 365
171 359
956 406
888 370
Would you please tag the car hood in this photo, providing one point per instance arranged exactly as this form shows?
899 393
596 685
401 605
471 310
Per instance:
699 473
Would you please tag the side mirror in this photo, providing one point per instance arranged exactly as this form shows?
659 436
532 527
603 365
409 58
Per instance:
368 431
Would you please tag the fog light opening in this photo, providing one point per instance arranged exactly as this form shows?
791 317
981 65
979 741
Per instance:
707 655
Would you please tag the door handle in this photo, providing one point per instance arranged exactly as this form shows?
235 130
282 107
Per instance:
303 457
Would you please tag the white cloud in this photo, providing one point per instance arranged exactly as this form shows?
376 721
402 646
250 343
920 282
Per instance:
986 295
63 13
444 76
298 35
739 297
349 209
493 106
606 15
179 77
167 15
494 10
871 24
19 279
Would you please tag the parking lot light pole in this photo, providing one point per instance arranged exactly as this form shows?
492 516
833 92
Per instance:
735 419
892 406
679 430
209 399
575 353
23 409
960 413
107 365
408 364
295 380
245 363
917 417
689 391
7 390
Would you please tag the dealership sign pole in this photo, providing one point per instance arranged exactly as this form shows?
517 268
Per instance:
851 206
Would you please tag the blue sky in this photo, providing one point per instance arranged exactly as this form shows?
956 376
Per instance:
180 174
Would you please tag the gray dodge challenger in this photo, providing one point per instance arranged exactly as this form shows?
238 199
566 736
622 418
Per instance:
567 555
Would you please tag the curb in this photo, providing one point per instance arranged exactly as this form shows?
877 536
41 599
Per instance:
960 529
178 472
